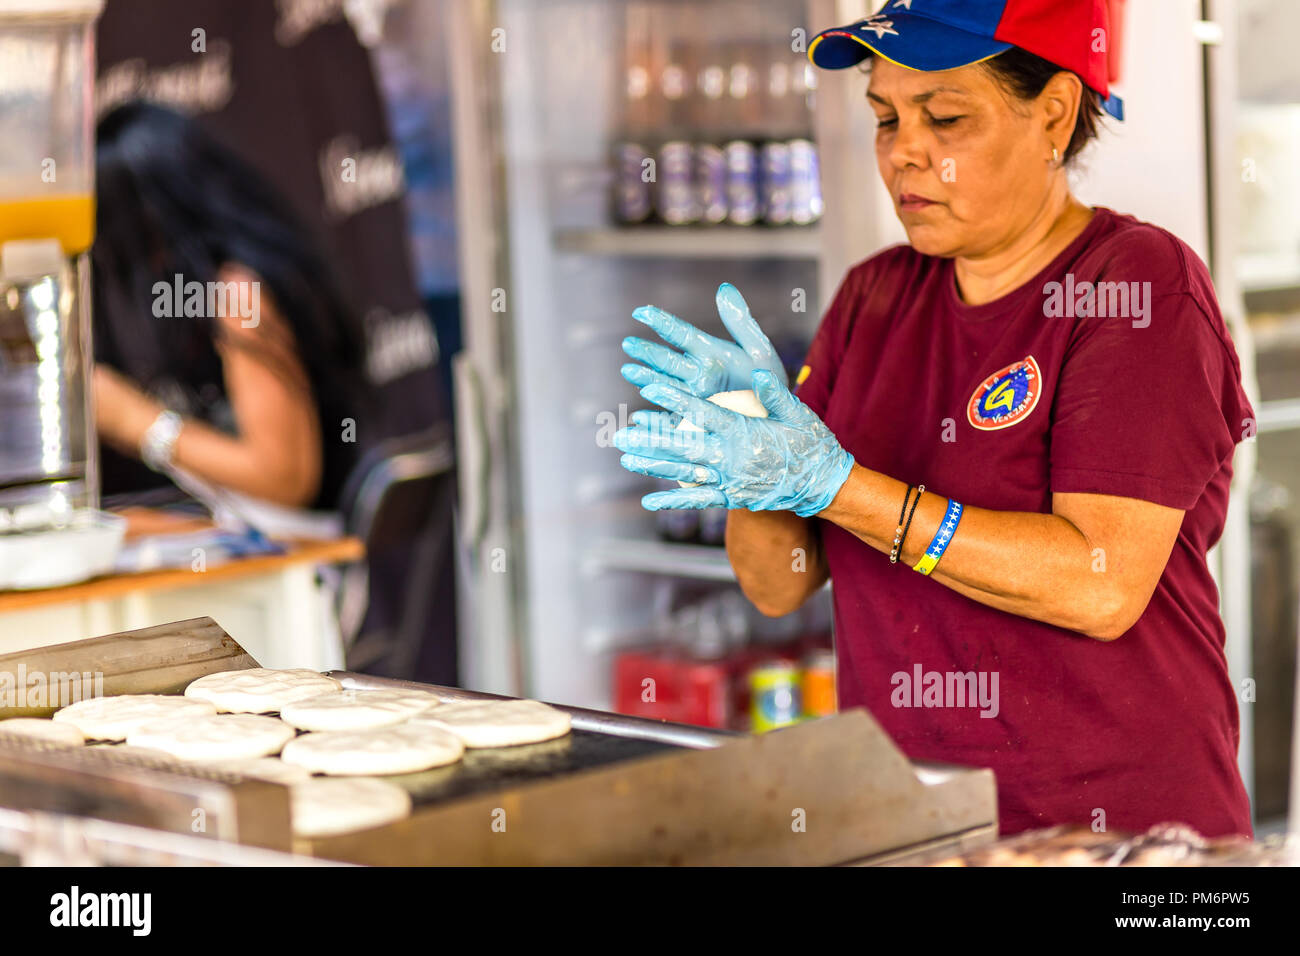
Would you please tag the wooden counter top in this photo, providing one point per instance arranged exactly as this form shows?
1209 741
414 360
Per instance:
117 585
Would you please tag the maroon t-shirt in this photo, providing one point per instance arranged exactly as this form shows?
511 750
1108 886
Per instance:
998 406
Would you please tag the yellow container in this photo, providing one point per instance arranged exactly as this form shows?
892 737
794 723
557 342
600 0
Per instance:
68 218
774 695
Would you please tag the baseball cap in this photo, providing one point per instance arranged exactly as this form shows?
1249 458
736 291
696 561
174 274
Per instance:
935 35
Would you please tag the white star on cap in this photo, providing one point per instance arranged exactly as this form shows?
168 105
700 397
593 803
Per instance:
879 23
906 4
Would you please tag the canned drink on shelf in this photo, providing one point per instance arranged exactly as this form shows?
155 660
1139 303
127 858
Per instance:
774 695
805 183
774 179
675 195
742 182
818 684
713 526
711 183
632 196
679 525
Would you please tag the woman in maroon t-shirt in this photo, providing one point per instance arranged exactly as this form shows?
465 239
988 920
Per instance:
1059 380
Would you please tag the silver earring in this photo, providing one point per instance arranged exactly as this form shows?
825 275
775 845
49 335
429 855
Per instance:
1056 157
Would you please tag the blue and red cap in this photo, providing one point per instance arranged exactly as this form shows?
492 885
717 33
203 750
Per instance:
934 35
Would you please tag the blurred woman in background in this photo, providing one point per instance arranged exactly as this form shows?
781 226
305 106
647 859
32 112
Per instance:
262 401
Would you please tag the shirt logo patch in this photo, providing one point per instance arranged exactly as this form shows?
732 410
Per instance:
1006 397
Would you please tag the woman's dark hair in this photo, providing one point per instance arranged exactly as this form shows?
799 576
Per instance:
1024 75
172 200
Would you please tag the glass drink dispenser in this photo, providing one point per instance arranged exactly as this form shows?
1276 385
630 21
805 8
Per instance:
48 474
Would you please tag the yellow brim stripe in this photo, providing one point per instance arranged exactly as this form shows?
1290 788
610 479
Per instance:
856 39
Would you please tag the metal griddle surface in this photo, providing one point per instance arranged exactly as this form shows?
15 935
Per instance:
500 768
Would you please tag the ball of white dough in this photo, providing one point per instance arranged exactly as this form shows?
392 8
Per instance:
743 401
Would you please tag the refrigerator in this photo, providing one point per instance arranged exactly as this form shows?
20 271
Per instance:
560 567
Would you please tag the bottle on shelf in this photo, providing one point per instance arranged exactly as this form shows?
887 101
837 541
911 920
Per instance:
818 683
633 199
635 120
676 195
713 526
774 179
805 183
713 132
680 526
744 89
677 89
710 183
710 101
742 182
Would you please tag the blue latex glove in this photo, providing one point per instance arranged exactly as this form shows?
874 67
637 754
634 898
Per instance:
789 461
705 365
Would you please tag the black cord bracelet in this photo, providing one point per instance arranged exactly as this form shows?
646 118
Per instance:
919 491
898 532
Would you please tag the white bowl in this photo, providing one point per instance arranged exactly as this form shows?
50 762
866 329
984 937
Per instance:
85 547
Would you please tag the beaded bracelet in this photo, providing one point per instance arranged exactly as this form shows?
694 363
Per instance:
898 532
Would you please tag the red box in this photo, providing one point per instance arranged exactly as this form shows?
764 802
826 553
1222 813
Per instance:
680 689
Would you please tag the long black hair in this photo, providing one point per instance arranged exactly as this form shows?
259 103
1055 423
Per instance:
172 200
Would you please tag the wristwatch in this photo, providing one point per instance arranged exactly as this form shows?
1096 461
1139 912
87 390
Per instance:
159 442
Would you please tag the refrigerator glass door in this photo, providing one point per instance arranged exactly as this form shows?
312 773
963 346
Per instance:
558 253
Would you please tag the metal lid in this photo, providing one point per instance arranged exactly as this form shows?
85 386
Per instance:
820 657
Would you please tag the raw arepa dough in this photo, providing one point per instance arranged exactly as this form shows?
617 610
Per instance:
216 737
498 723
260 690
742 400
263 768
322 808
115 718
401 748
147 753
36 728
357 709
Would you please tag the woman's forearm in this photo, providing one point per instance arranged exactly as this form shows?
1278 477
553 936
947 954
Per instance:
286 479
1040 566
777 557
285 470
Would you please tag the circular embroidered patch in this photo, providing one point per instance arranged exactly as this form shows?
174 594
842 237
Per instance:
1006 397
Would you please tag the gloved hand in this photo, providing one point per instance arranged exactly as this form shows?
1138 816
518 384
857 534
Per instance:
789 461
706 365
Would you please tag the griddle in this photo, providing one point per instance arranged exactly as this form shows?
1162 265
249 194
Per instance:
492 770
617 790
